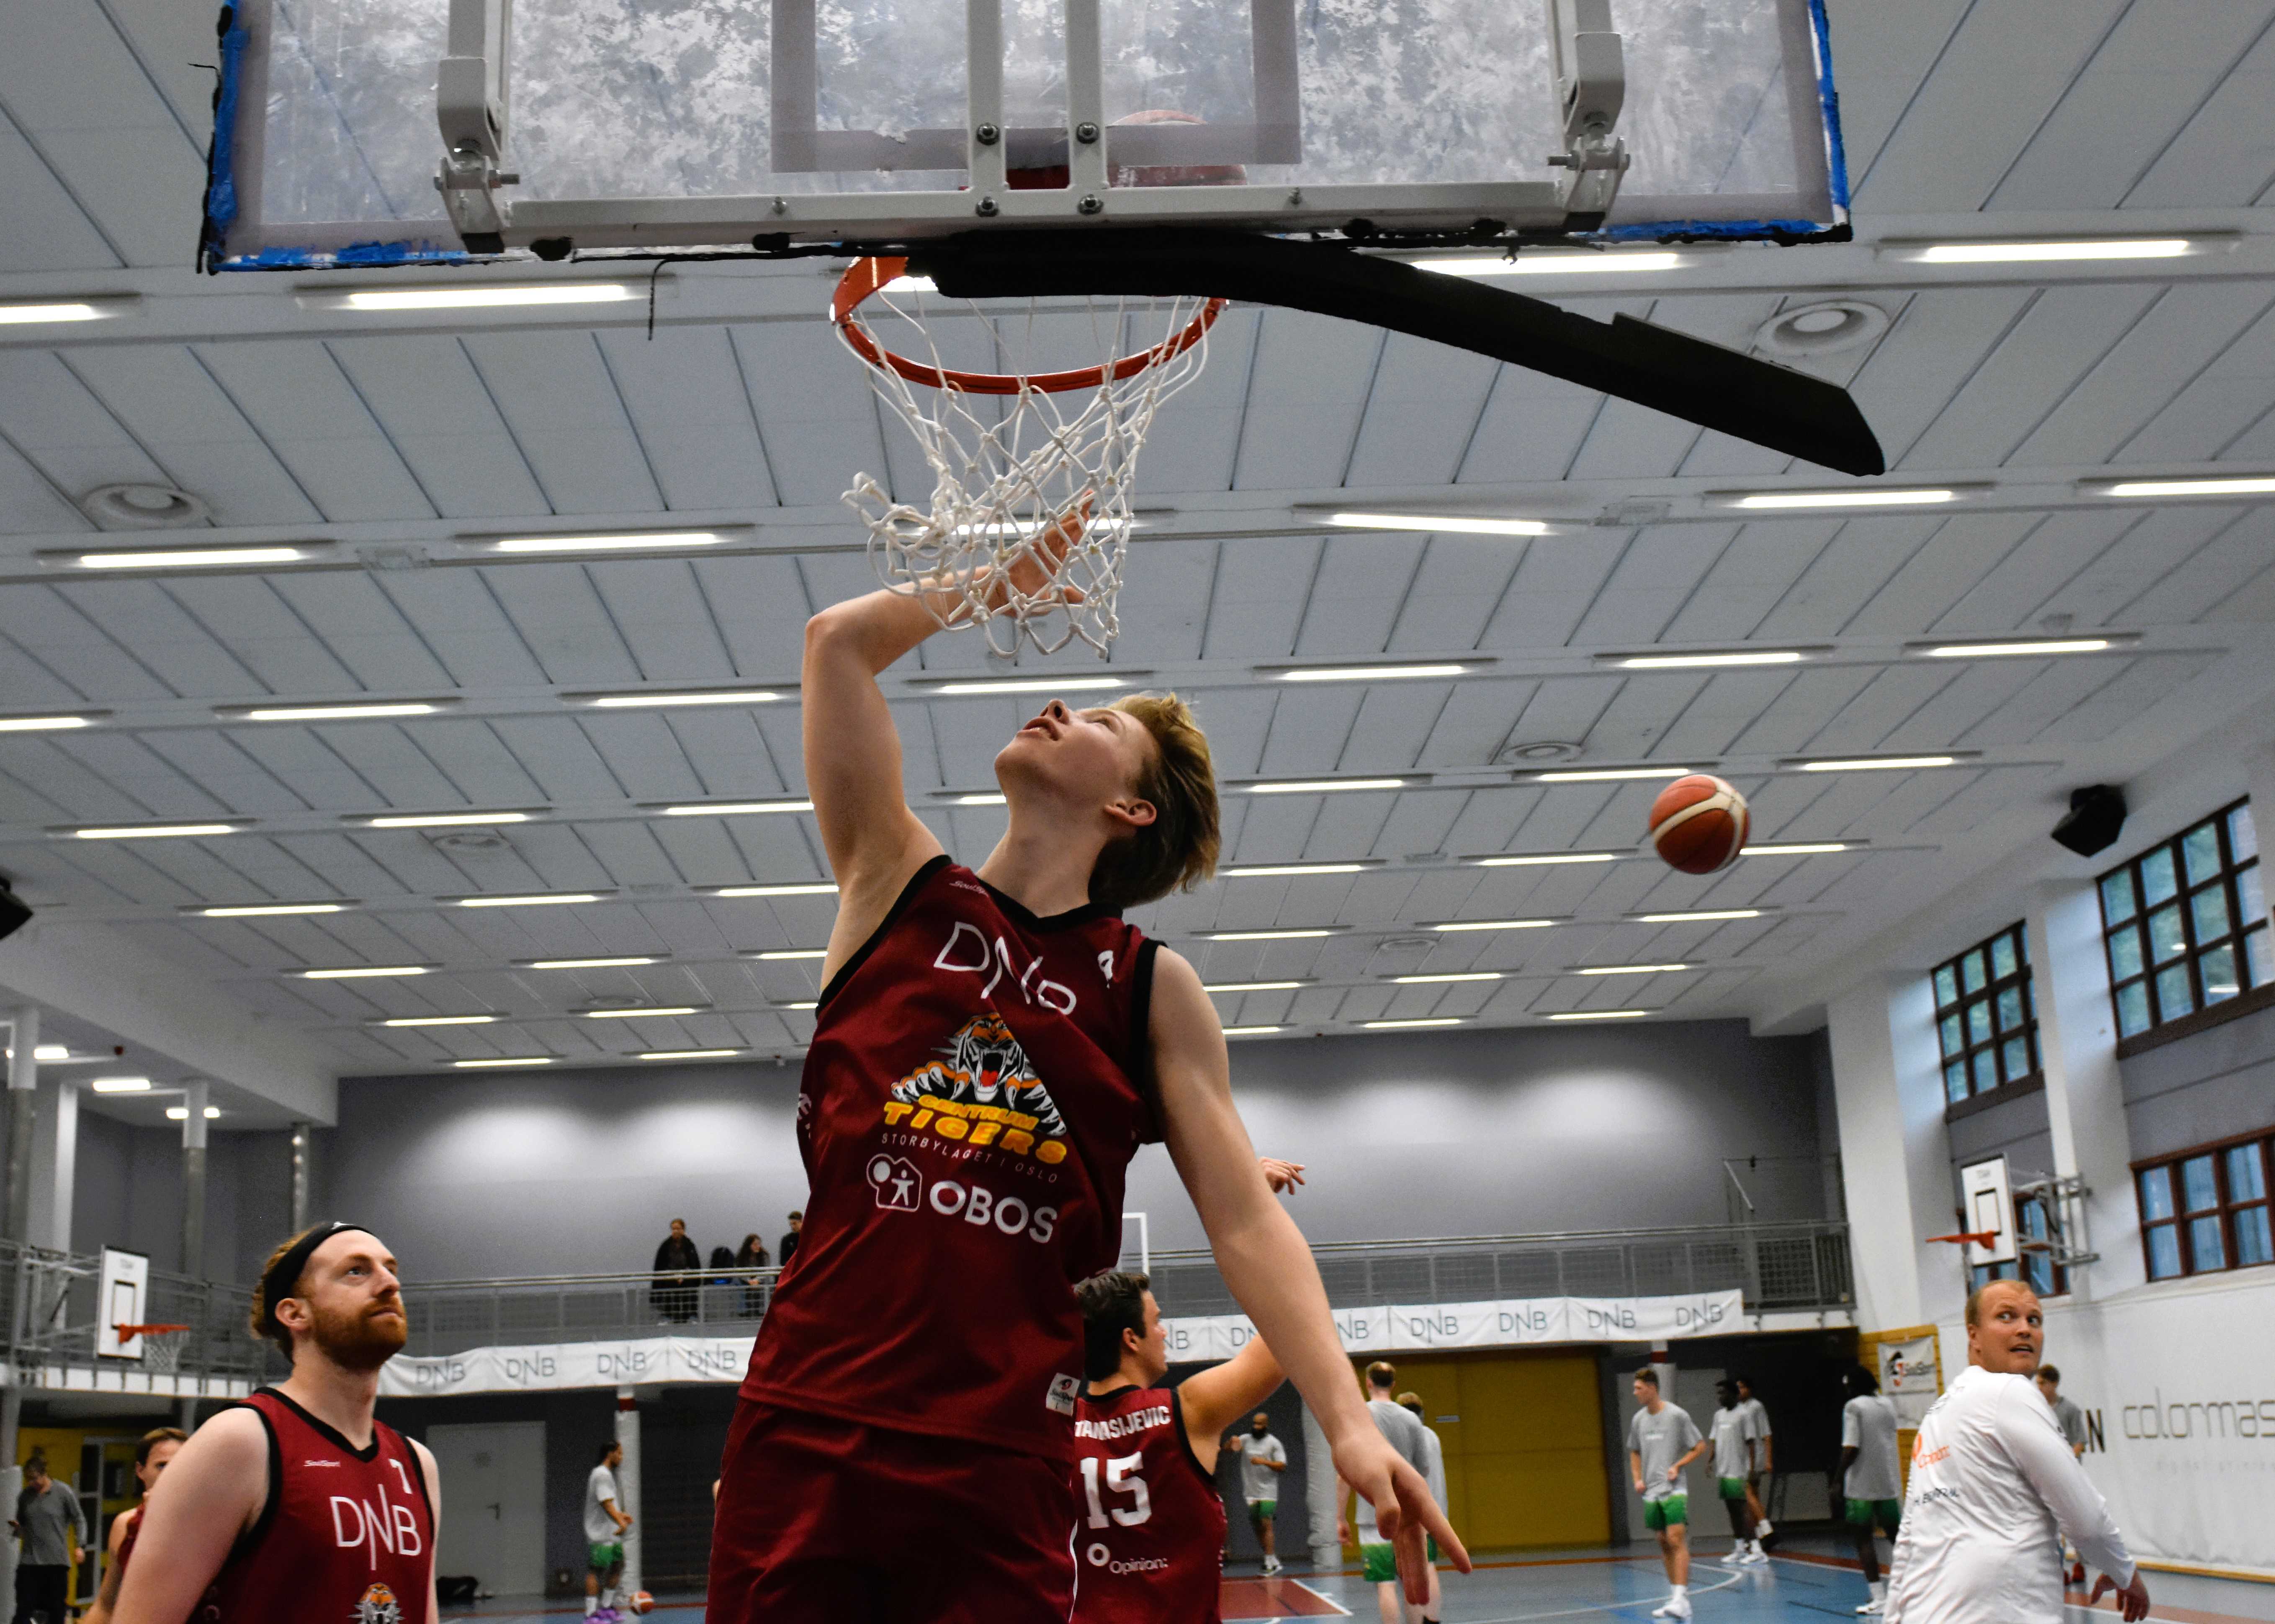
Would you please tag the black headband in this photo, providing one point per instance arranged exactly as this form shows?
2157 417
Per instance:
286 1272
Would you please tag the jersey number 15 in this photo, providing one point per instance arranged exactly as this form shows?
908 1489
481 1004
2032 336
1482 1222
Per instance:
1121 1478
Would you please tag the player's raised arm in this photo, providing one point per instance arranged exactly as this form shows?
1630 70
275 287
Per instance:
1269 1268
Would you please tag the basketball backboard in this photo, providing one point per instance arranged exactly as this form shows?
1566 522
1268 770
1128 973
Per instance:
658 125
1989 1210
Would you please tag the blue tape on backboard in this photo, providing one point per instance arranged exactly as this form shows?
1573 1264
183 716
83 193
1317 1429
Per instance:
353 254
1836 152
220 174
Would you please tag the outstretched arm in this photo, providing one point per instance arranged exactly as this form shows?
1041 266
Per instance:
1213 1399
1269 1268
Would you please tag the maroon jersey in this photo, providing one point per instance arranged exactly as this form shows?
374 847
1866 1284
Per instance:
1149 1537
977 1085
347 1536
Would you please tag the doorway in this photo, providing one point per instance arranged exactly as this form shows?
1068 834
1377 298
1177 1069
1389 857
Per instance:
493 1483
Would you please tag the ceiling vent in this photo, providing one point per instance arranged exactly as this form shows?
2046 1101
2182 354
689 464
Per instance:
143 507
1539 749
1827 328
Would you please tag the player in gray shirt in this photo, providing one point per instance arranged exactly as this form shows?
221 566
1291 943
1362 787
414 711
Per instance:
53 1527
1870 1482
1662 1440
1406 1435
1262 1458
2071 1420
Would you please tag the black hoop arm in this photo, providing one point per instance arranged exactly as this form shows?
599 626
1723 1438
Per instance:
1655 366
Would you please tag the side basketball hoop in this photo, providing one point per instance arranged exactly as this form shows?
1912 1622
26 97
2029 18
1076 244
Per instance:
161 1345
1015 450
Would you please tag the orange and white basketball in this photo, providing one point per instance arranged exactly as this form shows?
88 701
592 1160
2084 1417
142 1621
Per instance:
640 1601
1699 823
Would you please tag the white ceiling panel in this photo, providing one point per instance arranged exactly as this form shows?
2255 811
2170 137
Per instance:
444 423
555 393
1322 369
167 398
306 411
685 389
1420 414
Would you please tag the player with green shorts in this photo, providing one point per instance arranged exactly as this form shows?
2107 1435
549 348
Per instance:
605 1522
1733 1431
1662 1439
1869 1477
1378 1557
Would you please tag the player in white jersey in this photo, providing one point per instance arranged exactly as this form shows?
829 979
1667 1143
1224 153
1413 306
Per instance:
1869 1478
1379 1557
606 1523
1994 1489
1733 1432
1263 1459
1662 1440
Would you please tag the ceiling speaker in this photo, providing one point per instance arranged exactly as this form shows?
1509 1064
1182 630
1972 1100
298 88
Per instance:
2097 815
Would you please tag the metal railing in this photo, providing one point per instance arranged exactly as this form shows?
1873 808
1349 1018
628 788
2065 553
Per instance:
1782 1267
47 1304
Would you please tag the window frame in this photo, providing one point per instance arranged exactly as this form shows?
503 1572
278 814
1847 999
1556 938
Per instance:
1994 987
2241 926
2224 1207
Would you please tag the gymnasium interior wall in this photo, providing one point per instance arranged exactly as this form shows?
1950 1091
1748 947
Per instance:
2211 1085
1461 1133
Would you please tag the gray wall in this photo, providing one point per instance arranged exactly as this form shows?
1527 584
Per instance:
128 1193
2210 1085
1459 1133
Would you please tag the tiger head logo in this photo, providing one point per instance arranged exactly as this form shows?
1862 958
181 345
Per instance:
377 1605
985 1065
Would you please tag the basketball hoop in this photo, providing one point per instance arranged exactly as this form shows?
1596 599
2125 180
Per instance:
161 1345
1984 1237
1014 452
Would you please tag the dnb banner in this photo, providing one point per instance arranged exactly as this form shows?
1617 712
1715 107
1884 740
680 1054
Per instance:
1525 1322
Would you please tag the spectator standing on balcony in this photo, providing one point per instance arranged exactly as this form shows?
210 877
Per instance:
53 1527
748 1261
151 1456
678 1267
789 1239
299 1503
1758 1415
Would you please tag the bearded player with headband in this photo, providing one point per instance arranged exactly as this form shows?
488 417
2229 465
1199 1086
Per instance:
299 1503
922 1361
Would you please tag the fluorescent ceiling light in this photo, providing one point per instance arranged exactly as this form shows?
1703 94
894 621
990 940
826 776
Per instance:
1463 975
701 696
1267 871
2014 252
610 963
43 724
1627 970
191 557
1870 496
1324 786
181 1114
438 820
1369 673
2254 484
553 899
267 911
1793 848
120 1085
1549 859
517 1060
690 1054
1253 986
822 888
1688 916
1553 263
49 1051
1024 684
25 312
1491 925
1676 662
735 809
1435 1020
1599 1014
1610 774
154 831
1448 523
793 953
1994 650
979 797
628 541
1251 1032
333 713
1295 935
360 971
803 1003
1877 764
439 1020
479 297
909 285
625 1014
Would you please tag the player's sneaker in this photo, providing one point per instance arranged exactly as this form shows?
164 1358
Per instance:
1754 1553
1676 1607
1736 1557
1271 1566
1870 1609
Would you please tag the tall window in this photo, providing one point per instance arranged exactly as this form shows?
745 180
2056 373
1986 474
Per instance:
1984 1016
2207 1209
2186 924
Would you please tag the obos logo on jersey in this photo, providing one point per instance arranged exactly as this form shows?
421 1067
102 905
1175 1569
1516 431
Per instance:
377 1605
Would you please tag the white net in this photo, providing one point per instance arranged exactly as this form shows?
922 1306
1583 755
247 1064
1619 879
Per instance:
1015 455
162 1346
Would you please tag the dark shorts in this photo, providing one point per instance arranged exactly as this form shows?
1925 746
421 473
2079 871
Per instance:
829 1521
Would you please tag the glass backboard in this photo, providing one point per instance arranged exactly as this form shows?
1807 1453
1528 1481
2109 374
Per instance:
675 123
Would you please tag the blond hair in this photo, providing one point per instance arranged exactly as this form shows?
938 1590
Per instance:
1178 849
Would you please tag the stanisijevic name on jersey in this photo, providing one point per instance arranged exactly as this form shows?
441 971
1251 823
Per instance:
977 1085
1149 1533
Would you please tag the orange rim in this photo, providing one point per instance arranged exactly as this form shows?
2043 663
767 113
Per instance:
864 277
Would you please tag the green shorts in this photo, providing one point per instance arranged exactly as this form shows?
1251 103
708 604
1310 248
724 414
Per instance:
1430 1541
1887 1514
605 1558
1733 1488
1672 1512
1263 1511
1381 1563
